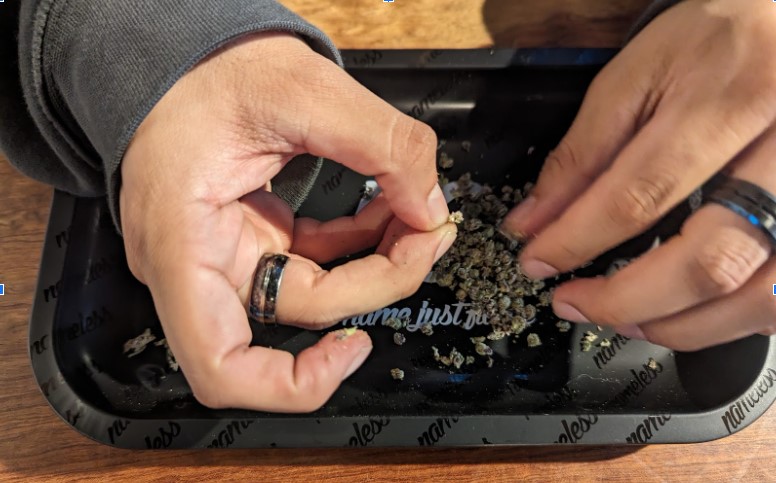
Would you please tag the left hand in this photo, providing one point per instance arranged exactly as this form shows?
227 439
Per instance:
694 93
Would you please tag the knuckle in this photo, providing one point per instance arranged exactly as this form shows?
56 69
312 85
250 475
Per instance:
300 394
132 247
413 288
687 345
643 201
312 316
770 327
563 254
413 281
611 316
319 322
412 143
601 84
563 160
763 84
309 404
727 261
569 253
208 393
407 286
327 80
665 339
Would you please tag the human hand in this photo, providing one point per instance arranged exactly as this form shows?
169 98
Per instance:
693 93
197 214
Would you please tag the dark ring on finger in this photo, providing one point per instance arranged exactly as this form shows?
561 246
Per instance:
266 286
753 203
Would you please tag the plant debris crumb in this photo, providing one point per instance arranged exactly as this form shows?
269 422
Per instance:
563 326
399 338
445 161
397 374
652 364
545 298
394 323
455 217
586 344
605 343
455 358
171 362
427 329
496 335
483 349
466 146
533 340
138 344
590 336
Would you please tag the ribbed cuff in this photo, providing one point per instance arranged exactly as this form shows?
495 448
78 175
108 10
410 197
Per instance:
96 69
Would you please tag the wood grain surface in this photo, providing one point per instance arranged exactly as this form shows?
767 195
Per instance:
465 24
36 445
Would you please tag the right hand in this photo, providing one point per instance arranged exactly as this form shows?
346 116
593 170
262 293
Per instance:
197 213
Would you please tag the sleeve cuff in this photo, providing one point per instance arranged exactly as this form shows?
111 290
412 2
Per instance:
104 65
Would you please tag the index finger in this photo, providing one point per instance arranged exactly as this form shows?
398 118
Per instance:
669 158
351 125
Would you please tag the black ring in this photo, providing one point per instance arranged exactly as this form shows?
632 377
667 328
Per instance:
753 203
266 286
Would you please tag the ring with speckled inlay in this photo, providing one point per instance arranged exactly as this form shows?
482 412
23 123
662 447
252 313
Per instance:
266 286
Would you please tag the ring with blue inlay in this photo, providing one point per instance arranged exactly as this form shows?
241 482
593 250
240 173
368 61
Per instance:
752 202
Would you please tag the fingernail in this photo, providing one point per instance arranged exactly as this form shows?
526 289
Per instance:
515 237
360 358
631 332
514 220
537 269
437 206
447 241
567 312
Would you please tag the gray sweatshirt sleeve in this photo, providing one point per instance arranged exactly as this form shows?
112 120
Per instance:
91 71
81 75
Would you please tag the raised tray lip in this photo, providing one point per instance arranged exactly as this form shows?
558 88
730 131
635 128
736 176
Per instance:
261 432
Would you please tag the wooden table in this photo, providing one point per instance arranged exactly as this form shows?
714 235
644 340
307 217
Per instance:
36 445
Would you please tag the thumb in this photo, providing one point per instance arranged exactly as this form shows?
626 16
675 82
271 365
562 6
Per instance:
613 110
351 125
